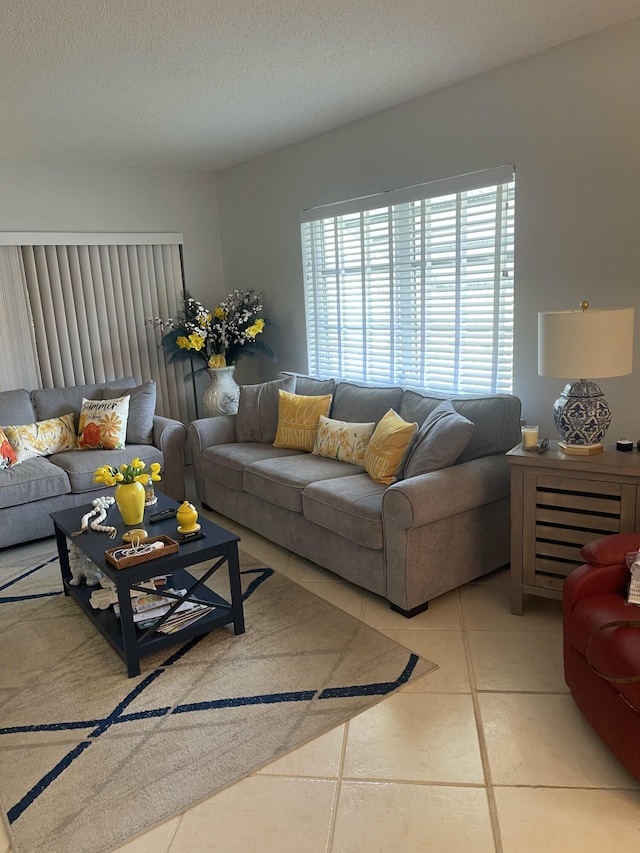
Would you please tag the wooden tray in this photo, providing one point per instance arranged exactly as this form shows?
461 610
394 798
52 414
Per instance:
170 547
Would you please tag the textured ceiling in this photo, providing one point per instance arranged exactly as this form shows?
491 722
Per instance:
205 84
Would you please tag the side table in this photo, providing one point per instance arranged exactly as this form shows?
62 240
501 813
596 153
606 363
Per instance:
559 503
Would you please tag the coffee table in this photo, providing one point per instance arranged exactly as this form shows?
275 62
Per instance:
130 642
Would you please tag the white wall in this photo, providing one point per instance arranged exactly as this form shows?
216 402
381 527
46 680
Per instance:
49 197
568 118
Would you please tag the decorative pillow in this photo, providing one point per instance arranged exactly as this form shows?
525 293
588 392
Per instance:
42 438
257 417
342 440
298 418
103 424
142 408
385 452
7 453
440 441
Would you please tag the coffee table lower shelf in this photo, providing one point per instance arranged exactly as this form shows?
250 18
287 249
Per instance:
148 641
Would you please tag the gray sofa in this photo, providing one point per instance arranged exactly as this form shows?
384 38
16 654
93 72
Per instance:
409 541
33 488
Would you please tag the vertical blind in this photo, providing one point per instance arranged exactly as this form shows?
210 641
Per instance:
19 362
88 301
415 286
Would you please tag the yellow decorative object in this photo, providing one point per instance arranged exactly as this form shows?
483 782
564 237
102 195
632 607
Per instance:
341 440
298 418
387 447
42 438
187 518
137 533
217 361
103 423
130 501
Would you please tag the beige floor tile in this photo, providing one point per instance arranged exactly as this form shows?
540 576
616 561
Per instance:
5 844
543 740
552 820
487 607
157 840
387 817
261 814
321 758
517 660
304 571
346 596
445 648
443 614
501 576
415 737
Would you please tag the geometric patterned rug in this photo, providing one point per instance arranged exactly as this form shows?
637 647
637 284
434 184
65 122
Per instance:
90 758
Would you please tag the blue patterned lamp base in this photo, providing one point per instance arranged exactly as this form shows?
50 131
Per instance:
582 416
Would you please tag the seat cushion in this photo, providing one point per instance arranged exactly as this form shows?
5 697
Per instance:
282 481
80 467
612 651
32 480
350 507
225 463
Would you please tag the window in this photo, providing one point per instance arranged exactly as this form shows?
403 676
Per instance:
415 286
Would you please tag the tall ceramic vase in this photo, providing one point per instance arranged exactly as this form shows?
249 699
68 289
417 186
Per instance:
223 393
130 501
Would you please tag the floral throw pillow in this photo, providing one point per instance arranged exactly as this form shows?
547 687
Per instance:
344 441
103 424
7 453
42 438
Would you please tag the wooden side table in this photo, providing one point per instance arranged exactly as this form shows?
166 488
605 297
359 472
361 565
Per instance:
559 503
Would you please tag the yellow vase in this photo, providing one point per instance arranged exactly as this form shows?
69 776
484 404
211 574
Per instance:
130 501
187 517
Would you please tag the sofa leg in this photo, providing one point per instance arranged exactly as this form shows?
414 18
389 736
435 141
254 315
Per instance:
414 610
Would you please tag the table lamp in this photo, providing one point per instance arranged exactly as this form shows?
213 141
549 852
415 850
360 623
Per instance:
584 343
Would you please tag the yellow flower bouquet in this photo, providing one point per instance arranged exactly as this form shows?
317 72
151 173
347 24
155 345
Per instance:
134 472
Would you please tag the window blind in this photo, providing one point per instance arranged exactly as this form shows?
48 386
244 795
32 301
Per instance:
415 286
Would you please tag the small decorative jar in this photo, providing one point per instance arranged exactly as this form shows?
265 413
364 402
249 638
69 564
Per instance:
187 518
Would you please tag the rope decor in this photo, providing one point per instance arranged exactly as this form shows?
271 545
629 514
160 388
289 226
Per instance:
100 507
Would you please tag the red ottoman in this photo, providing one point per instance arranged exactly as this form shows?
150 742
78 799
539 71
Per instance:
606 687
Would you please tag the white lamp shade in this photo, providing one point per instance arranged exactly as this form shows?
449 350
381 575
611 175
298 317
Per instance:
585 344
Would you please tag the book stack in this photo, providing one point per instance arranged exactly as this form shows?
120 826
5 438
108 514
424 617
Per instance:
149 608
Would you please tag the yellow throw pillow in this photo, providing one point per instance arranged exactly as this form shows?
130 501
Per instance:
42 438
341 440
298 418
385 451
103 423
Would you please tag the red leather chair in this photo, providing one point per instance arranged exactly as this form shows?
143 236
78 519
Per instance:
602 664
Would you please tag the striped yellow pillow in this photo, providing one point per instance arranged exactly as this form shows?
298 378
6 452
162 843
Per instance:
387 447
298 419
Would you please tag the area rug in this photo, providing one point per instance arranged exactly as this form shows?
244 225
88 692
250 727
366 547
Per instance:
90 758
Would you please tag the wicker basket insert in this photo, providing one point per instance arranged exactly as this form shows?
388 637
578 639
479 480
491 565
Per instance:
170 547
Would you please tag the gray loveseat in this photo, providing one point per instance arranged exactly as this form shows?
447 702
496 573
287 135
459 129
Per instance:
409 541
33 488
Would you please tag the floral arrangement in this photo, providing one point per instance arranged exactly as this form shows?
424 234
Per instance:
134 472
215 338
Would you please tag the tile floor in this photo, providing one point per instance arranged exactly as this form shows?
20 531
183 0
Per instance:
486 755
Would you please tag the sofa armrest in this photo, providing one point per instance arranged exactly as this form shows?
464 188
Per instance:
605 571
441 494
169 437
206 432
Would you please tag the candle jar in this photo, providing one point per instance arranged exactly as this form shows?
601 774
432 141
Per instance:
529 437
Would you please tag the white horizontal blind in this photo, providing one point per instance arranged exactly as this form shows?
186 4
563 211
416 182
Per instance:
415 286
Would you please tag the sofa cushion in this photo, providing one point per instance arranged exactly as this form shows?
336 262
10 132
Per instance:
496 420
53 402
16 407
298 418
343 441
32 480
386 453
257 417
310 386
282 481
42 438
142 408
81 467
103 424
350 507
225 463
440 441
364 403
